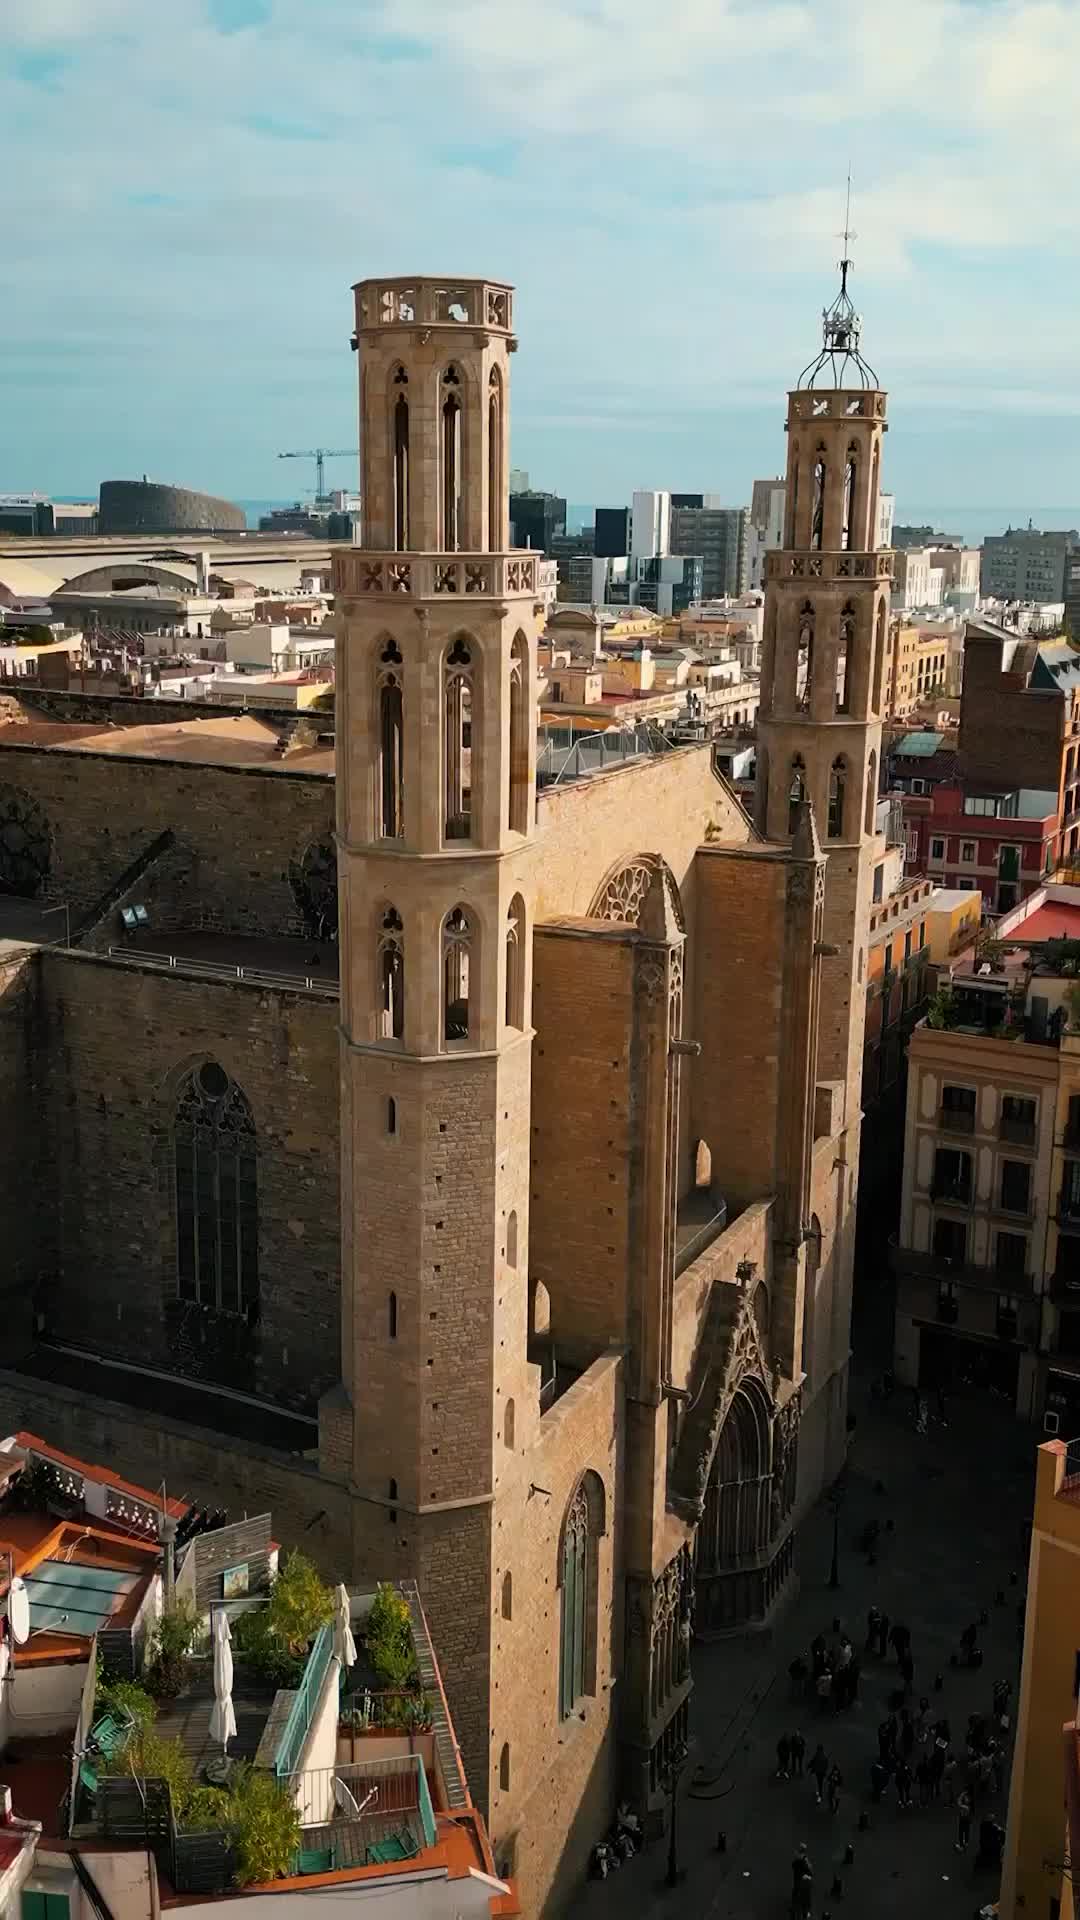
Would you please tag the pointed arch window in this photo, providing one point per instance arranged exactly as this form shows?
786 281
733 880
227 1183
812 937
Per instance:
518 812
871 792
391 743
508 1596
578 1583
495 460
817 512
391 976
879 651
796 791
217 1221
451 459
457 741
847 525
805 665
837 786
515 963
401 459
508 1425
456 962
845 654
512 1240
873 539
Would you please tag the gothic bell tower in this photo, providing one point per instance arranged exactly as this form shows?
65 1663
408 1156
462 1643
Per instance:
436 759
826 631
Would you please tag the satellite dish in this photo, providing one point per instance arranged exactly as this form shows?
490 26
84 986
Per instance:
19 1611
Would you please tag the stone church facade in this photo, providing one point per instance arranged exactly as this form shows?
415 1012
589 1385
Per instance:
585 1112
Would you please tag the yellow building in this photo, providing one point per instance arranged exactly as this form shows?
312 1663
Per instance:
920 663
1035 1881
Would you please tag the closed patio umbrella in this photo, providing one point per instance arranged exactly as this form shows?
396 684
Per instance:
344 1644
223 1718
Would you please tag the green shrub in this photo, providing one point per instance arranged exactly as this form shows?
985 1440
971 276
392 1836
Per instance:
265 1827
147 1756
389 1638
170 1643
125 1697
300 1603
254 1637
208 1810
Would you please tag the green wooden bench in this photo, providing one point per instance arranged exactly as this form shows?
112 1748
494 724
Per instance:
396 1846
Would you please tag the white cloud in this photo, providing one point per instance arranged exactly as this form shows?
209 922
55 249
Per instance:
664 185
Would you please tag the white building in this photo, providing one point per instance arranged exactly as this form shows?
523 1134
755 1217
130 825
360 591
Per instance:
886 519
650 525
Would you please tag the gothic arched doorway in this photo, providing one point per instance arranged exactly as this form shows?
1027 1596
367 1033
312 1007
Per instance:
744 1541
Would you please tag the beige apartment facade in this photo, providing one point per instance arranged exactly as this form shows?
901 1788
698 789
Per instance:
988 1253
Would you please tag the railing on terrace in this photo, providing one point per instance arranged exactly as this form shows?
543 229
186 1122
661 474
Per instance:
1020 1132
392 1802
217 970
956 1120
584 754
302 1711
958 1272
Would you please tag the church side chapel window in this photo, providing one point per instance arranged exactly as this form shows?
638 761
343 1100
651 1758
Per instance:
578 1594
796 791
817 513
457 944
837 784
457 741
391 976
217 1223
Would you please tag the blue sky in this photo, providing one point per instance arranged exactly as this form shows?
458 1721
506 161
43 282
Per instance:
194 185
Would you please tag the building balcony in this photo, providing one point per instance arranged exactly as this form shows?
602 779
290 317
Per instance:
359 574
955 1120
1071 1136
951 1193
828 566
1020 1132
958 1273
1068 1209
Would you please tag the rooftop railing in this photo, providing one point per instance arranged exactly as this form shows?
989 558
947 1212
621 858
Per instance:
302 1711
590 753
366 1811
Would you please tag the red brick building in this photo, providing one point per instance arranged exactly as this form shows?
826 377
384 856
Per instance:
1003 841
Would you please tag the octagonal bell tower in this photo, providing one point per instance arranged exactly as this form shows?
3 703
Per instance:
827 595
436 756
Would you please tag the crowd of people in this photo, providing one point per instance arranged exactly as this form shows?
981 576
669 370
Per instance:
919 1759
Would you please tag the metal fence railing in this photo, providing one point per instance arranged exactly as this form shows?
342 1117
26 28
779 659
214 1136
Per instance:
302 1711
216 970
361 1804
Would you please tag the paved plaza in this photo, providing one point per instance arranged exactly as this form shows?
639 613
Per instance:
958 1500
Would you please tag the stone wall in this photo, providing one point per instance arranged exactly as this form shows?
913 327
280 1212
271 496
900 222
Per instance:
237 829
19 1169
1006 732
112 1044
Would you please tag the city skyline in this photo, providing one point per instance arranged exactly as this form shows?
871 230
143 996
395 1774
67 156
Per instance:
206 186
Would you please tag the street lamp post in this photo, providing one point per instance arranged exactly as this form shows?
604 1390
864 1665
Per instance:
836 1501
675 1874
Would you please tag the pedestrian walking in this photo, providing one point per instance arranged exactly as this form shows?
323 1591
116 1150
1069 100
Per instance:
800 1866
907 1733
948 1779
818 1768
903 1784
798 1673
899 1638
823 1687
783 1758
833 1785
873 1622
886 1738
798 1754
963 1820
817 1653
907 1670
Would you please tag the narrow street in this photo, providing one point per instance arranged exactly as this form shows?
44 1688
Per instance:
953 1507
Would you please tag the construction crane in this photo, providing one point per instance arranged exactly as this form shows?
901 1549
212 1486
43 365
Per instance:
320 455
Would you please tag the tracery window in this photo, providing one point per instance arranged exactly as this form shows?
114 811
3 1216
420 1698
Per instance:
457 741
451 460
457 955
391 743
806 653
796 791
401 461
217 1221
582 1528
390 958
844 655
495 474
817 512
518 811
837 785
